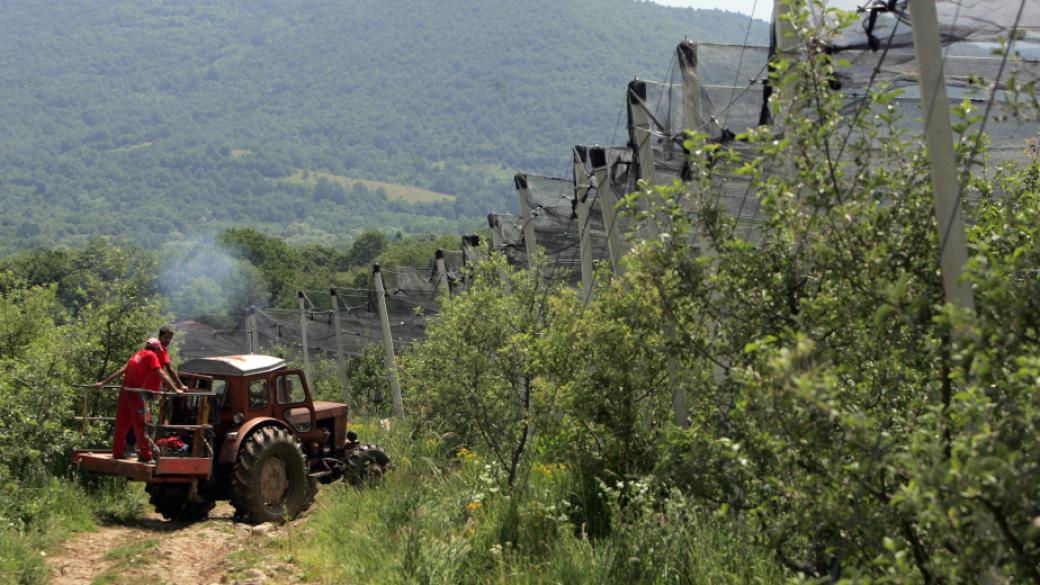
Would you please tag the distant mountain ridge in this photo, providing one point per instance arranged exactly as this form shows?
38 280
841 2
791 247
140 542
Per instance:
151 120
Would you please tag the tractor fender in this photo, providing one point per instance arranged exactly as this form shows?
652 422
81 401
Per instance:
229 450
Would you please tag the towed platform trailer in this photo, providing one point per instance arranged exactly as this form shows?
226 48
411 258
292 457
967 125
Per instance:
168 466
248 431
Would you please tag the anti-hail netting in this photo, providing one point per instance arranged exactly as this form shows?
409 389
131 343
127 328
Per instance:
411 298
723 90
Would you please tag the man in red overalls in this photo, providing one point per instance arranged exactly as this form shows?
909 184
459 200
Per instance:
143 371
165 337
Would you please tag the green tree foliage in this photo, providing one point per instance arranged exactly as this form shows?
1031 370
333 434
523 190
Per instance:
275 259
35 372
365 249
81 318
417 251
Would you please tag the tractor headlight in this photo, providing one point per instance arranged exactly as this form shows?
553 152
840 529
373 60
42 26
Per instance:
238 418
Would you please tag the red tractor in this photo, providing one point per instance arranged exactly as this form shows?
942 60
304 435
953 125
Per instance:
247 431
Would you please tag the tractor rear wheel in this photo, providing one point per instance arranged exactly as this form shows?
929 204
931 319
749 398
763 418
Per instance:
270 479
172 501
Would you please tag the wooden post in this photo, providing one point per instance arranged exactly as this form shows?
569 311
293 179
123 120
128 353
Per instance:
201 418
341 359
442 274
607 201
86 410
303 333
526 217
388 342
941 159
581 199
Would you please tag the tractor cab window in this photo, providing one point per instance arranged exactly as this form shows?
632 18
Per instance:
257 394
218 387
289 389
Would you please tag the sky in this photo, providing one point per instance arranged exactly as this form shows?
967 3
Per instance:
763 10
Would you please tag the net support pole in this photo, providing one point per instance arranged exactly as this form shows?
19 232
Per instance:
686 54
680 412
941 159
786 40
303 333
341 358
444 287
254 345
607 201
496 234
388 342
526 217
581 206
784 44
471 253
498 245
640 135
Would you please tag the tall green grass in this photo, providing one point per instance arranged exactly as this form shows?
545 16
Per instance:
35 518
443 518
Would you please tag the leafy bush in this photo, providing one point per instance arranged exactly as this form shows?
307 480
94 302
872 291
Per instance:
471 373
69 327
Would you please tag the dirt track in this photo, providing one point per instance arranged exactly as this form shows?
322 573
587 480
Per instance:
155 552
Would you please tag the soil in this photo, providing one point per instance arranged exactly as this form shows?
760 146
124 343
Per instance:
157 552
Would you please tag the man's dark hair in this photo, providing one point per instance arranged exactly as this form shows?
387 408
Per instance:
165 329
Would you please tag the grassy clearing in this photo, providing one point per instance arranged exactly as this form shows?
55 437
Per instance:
132 147
393 190
443 519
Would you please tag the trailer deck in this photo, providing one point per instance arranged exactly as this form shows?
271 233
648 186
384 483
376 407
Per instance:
165 469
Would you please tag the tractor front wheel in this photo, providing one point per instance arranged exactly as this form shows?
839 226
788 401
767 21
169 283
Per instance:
366 466
270 480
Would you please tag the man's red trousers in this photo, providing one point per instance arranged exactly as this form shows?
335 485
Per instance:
130 414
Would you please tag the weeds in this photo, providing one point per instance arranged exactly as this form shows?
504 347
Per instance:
437 520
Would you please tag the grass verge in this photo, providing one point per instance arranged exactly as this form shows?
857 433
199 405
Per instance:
445 519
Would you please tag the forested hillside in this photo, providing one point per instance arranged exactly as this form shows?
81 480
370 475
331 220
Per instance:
151 120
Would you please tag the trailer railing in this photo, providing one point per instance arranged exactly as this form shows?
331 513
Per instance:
159 427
